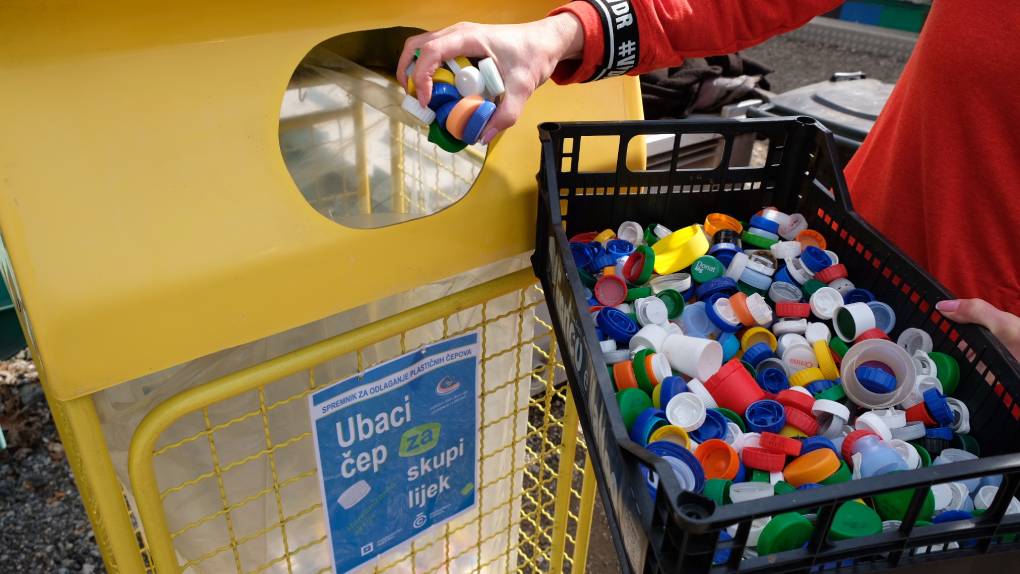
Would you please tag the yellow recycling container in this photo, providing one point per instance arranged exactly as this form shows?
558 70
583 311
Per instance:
211 209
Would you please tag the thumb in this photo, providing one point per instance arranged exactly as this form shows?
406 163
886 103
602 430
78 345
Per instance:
977 311
507 113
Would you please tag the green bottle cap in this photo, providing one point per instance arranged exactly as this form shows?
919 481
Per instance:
647 264
833 393
587 279
756 240
783 487
760 476
969 444
925 455
718 490
442 138
632 401
787 531
644 381
840 476
635 293
633 316
706 268
838 346
893 505
650 237
854 520
748 290
674 302
750 370
810 286
734 417
947 370
921 523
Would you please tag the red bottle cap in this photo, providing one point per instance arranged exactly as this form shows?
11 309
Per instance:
919 414
733 387
831 273
847 449
873 333
796 310
786 445
586 237
802 421
762 459
795 400
610 290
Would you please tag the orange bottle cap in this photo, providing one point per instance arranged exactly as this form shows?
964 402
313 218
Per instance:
814 466
718 459
460 114
811 237
716 221
623 374
739 304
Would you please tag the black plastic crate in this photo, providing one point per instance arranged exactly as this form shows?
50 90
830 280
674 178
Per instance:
678 531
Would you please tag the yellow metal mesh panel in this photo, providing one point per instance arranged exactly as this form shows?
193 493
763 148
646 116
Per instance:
534 496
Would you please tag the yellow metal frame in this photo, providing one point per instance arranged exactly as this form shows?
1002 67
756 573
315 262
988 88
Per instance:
559 516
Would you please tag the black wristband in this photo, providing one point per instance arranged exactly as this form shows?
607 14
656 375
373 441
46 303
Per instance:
619 37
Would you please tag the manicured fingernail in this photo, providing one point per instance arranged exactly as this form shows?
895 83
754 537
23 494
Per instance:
488 135
948 306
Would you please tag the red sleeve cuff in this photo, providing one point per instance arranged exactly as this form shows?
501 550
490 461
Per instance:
574 71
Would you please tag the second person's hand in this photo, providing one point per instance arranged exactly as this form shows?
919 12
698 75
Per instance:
525 54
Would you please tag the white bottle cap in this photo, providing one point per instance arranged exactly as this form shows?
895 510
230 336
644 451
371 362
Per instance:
733 435
630 231
923 364
674 328
775 477
354 494
761 265
760 309
891 526
984 497
961 415
887 352
794 225
749 439
802 391
494 87
744 491
893 418
910 431
790 340
724 309
832 257
843 285
660 367
469 81
800 273
786 249
960 495
824 303
872 422
608 345
661 231
651 311
762 233
825 407
686 411
650 337
453 66
617 356
757 525
921 384
692 356
914 340
817 332
781 291
625 307
697 387
799 357
424 115
907 451
736 267
775 215
679 282
862 316
784 326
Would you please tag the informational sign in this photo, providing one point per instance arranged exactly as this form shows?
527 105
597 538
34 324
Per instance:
397 448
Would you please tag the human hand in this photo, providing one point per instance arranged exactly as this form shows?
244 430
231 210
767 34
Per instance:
526 55
1004 325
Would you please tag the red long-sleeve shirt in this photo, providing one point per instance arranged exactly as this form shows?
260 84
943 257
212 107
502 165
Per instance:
937 173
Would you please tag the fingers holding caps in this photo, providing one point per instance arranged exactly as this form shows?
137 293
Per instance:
1004 325
463 39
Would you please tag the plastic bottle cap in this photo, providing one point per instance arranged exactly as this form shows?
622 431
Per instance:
422 114
831 408
631 402
638 268
718 459
907 451
943 496
650 311
679 249
765 266
854 520
814 443
781 291
706 268
623 375
798 420
745 491
961 415
714 427
692 356
645 423
871 421
759 308
793 226
812 467
805 376
607 345
791 399
840 476
842 285
826 364
687 411
685 466
733 435
721 314
658 368
779 443
455 64
460 114
762 459
617 356
787 326
893 418
610 290
771 375
797 271
796 310
697 387
938 407
790 340
442 95
824 303
847 448
736 266
799 358
717 490
494 85
649 337
671 433
617 324
758 335
765 415
911 431
832 273
887 353
758 353
811 238
751 439
673 301
947 370
630 231
852 320
785 249
885 317
786 531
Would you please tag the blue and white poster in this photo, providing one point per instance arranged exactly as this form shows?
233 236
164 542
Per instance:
397 448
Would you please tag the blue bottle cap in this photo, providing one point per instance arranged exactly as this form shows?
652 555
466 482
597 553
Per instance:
760 222
815 259
724 252
944 433
713 427
784 275
695 321
685 465
671 387
885 317
741 474
443 94
688 294
876 380
617 325
880 460
951 516
604 259
757 353
444 112
765 416
595 251
619 248
809 486
718 285
858 295
819 387
815 443
477 122
938 407
722 324
772 379
723 554
755 279
645 424
730 346
598 332
582 254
